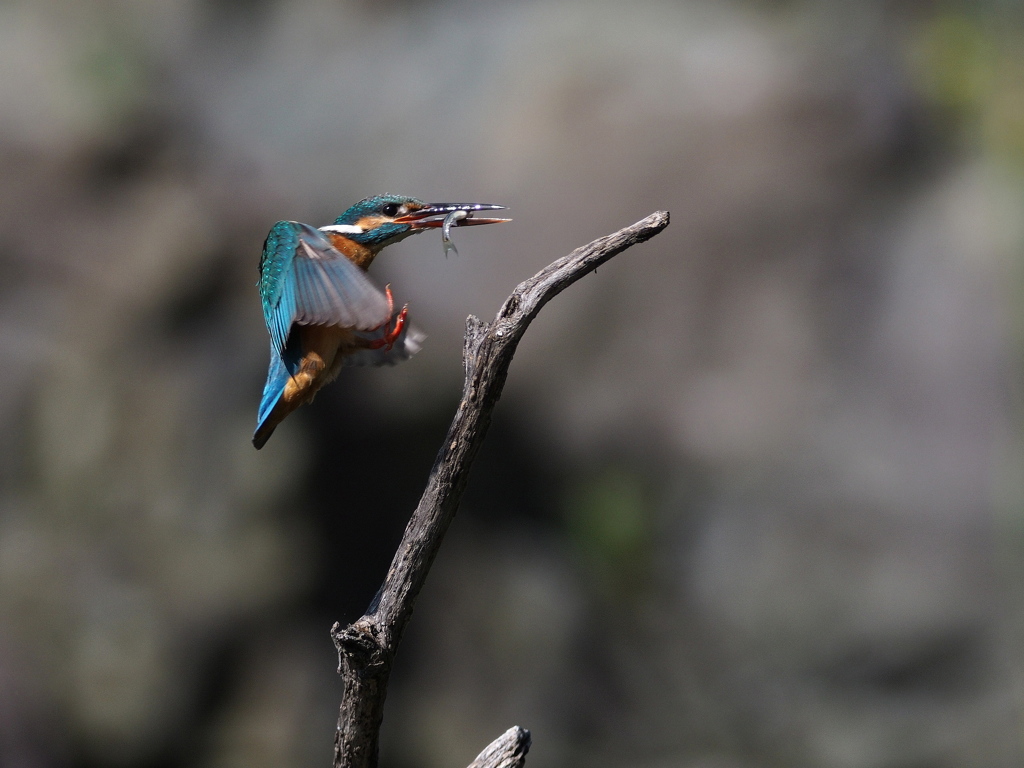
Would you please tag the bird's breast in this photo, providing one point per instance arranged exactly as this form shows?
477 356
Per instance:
324 348
358 254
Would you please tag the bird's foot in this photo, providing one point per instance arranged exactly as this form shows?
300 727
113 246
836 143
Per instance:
390 337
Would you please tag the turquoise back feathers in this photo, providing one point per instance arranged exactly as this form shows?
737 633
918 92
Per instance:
304 280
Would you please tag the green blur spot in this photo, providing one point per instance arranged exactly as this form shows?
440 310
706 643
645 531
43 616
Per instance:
958 62
115 73
970 65
609 523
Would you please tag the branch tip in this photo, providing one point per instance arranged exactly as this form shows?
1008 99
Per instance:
507 751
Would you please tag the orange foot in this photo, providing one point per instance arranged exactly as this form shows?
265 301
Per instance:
390 337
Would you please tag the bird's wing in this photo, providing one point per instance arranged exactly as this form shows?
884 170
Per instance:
304 279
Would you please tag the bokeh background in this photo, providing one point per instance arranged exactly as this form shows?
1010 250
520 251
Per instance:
753 496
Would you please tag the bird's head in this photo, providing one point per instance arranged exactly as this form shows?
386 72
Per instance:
385 219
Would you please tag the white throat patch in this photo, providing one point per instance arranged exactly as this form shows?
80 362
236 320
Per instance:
343 229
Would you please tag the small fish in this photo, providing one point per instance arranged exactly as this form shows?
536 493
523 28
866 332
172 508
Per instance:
446 230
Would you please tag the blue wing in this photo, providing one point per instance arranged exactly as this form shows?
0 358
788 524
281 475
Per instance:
304 279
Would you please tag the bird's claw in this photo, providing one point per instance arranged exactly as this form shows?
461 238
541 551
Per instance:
390 337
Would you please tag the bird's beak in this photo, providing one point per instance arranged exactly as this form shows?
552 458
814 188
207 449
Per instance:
434 215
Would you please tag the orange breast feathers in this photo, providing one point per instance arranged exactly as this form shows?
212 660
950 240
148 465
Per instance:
358 254
323 350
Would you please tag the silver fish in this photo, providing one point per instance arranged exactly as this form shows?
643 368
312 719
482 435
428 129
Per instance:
446 231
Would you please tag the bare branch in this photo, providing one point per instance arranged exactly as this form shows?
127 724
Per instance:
367 648
507 751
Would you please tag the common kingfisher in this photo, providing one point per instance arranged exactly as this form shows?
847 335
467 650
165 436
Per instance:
322 310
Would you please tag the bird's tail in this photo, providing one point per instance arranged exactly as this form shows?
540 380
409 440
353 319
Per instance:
272 407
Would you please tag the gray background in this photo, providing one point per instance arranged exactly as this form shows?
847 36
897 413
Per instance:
752 497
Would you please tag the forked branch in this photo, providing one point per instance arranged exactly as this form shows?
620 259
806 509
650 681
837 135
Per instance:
366 648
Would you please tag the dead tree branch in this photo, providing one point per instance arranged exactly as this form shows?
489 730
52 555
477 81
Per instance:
366 649
507 751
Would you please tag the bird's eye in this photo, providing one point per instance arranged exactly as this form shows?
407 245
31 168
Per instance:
390 209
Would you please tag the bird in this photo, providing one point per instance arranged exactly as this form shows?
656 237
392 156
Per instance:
322 310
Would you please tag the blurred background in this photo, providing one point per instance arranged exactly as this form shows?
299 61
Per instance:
754 495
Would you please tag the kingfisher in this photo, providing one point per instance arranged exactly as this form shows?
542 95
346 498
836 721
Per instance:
323 311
